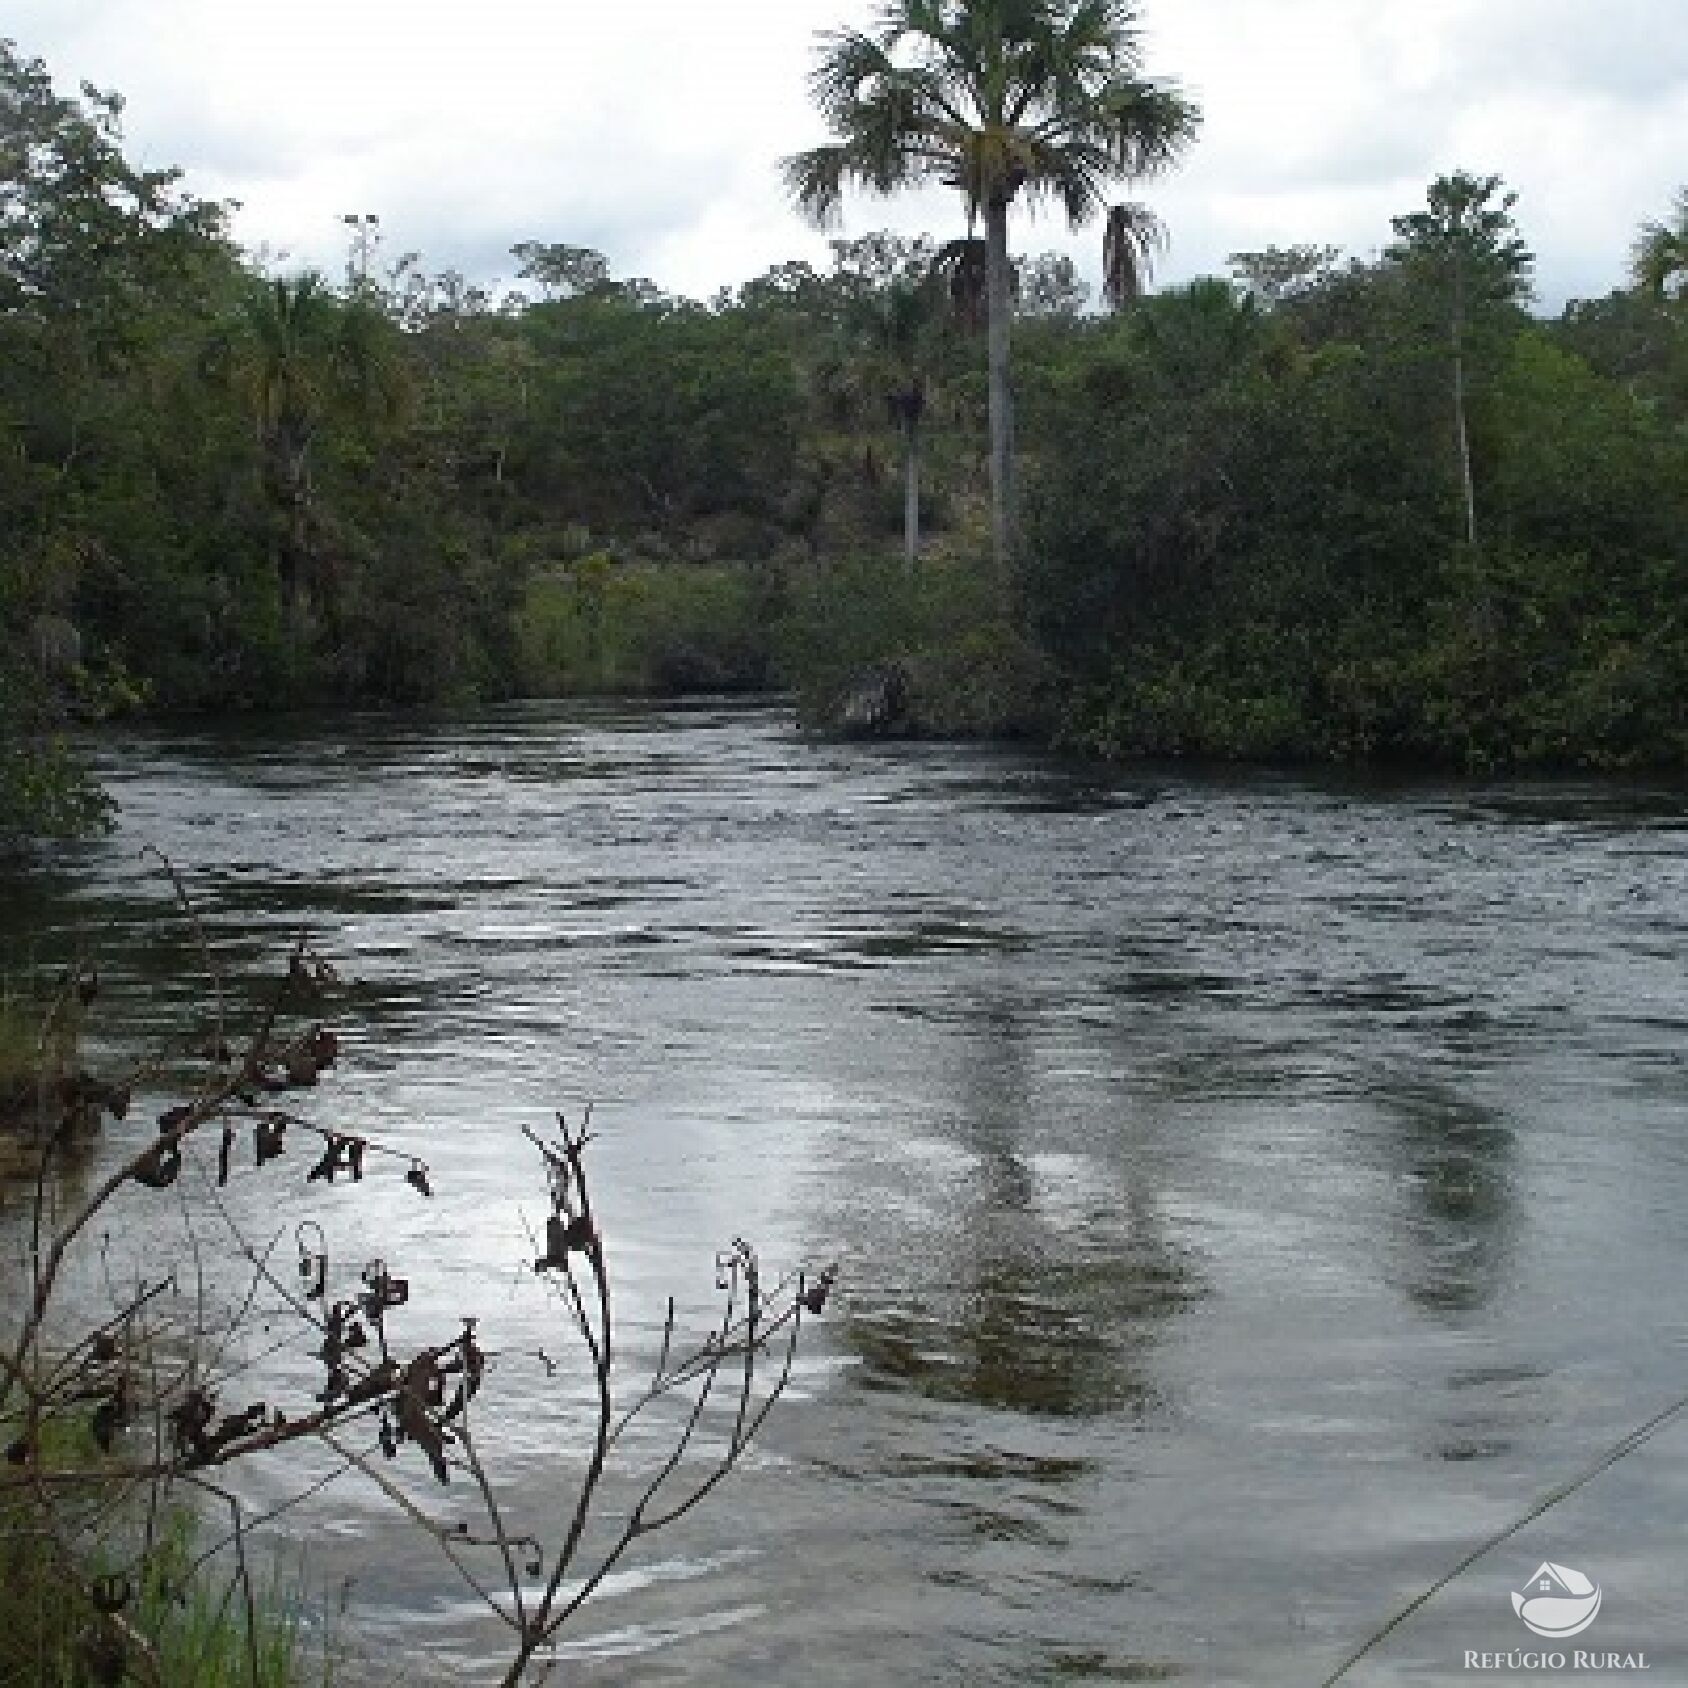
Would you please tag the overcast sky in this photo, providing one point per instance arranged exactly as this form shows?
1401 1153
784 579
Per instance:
652 129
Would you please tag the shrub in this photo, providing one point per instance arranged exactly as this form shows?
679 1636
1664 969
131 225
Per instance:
965 667
602 627
110 1426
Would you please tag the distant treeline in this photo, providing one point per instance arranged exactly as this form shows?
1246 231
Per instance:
1321 508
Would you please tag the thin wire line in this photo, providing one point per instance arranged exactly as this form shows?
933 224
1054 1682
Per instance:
1619 1450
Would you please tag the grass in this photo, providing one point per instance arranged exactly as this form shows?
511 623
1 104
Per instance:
20 1041
39 1045
194 1617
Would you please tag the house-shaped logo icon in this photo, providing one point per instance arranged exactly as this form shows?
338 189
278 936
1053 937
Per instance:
1557 1602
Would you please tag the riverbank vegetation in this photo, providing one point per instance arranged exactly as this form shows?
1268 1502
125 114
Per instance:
50 1628
1321 507
130 1406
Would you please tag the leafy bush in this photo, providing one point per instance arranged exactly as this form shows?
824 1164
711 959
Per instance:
964 664
598 626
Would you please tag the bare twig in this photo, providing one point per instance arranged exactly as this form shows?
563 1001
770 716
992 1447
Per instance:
171 1363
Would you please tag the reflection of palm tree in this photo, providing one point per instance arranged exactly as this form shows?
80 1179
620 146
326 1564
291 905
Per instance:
1035 1320
995 98
1035 1316
1457 1155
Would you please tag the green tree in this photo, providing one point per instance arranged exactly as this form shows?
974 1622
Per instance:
300 353
997 99
45 790
100 263
1635 339
648 415
1051 288
1277 275
83 233
1466 248
561 271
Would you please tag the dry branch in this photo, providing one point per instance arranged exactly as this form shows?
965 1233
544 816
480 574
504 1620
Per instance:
186 1421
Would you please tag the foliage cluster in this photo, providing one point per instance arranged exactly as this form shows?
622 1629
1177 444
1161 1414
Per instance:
959 664
1254 519
198 1638
599 627
1316 509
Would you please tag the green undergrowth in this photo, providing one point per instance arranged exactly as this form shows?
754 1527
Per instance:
194 1617
39 1044
596 626
964 667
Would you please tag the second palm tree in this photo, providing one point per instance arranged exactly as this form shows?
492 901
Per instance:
999 99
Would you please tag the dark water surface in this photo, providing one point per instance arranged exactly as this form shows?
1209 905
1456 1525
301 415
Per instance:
1250 1191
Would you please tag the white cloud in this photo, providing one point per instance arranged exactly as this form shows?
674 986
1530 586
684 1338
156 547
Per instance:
653 129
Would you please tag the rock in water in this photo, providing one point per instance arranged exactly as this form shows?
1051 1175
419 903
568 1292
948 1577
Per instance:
876 704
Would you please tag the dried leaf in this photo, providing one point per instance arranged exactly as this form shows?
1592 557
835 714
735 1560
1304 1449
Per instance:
159 1169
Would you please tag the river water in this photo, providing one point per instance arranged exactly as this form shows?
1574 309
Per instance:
1250 1191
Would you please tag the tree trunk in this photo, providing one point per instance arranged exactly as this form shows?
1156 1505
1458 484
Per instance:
1462 435
1466 485
999 304
911 491
296 567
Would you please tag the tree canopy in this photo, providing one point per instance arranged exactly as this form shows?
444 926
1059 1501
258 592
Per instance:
1001 100
1330 507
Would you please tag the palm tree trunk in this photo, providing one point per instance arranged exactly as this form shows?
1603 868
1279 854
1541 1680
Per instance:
999 310
911 491
296 485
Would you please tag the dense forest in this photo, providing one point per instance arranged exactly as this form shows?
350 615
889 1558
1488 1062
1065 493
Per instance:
1323 507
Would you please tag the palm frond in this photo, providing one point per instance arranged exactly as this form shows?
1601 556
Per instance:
1098 42
1148 123
1072 173
1659 258
1133 239
893 136
993 97
848 63
815 180
879 158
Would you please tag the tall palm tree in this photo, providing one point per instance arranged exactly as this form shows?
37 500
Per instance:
300 352
1659 259
892 333
997 99
287 324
